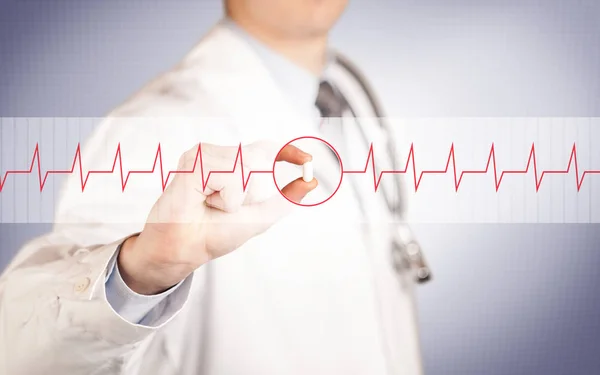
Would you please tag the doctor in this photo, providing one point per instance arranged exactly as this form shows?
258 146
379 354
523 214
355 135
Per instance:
207 277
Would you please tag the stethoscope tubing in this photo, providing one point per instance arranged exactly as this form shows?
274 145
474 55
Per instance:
407 250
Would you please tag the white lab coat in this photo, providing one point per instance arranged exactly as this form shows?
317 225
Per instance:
309 296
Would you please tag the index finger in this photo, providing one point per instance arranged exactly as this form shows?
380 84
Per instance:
294 155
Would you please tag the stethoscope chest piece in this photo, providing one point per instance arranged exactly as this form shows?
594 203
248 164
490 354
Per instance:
408 257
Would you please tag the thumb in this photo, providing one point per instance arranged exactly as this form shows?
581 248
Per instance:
265 214
298 189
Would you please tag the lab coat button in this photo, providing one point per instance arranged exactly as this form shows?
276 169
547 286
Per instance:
81 285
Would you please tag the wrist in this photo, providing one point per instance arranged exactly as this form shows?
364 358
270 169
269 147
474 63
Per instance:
136 272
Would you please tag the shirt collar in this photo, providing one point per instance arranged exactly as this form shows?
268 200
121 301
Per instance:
301 85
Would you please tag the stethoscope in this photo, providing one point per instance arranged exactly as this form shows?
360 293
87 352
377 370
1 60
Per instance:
405 249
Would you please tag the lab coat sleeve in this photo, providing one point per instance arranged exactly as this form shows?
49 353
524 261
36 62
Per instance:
54 314
134 307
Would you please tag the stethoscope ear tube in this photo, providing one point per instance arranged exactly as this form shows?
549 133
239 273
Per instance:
406 252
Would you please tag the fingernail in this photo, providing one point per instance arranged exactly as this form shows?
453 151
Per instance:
307 157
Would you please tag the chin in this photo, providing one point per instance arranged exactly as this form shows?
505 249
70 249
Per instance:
317 26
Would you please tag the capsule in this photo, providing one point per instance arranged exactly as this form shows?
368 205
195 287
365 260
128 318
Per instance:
307 171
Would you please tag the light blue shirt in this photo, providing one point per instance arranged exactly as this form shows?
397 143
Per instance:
302 87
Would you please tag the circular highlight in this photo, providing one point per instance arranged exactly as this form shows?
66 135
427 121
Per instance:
337 155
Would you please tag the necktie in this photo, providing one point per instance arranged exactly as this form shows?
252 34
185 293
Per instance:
331 106
329 102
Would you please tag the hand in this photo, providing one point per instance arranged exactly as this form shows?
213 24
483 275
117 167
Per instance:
190 225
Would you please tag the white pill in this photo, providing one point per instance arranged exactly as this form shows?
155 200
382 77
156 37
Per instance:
307 171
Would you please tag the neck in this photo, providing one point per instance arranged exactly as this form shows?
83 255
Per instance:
306 52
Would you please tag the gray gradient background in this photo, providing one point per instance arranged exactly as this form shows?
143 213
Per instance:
507 299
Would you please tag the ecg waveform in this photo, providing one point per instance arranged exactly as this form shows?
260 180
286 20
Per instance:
118 161
491 162
35 166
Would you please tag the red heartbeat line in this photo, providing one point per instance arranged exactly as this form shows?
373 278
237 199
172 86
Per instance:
377 177
118 160
491 161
